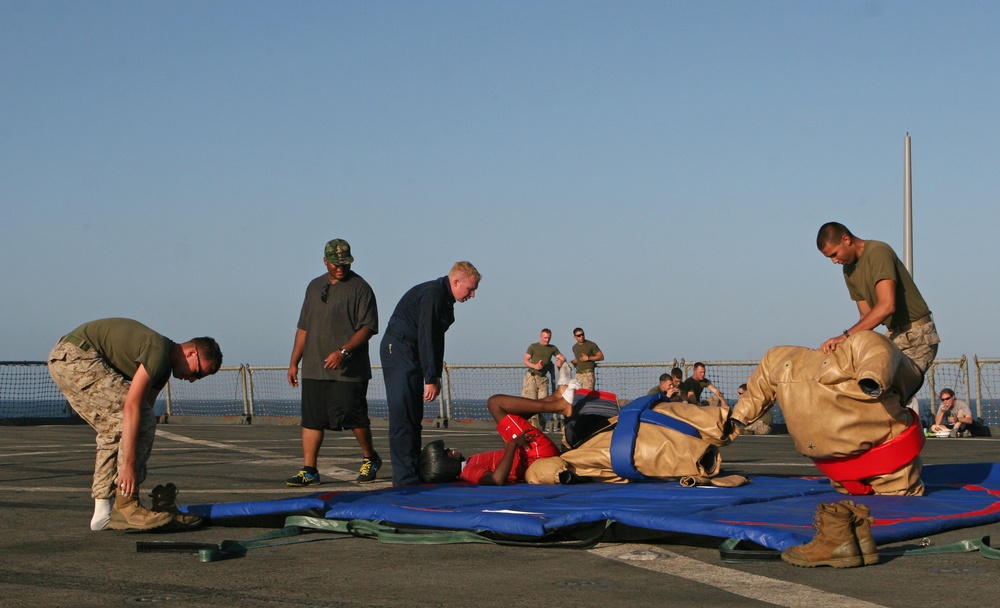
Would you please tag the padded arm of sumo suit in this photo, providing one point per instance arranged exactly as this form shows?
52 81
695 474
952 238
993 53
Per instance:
758 398
880 365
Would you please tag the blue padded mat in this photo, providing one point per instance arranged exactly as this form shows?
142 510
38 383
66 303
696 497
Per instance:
775 512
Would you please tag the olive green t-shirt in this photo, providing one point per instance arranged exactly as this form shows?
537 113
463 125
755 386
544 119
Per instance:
695 386
126 344
879 262
585 348
542 352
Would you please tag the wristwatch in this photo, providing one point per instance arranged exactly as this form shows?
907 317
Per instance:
345 352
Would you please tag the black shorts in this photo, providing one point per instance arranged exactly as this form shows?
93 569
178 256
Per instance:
334 405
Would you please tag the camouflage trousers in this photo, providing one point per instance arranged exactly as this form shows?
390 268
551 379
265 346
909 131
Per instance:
586 379
919 343
757 428
534 387
97 393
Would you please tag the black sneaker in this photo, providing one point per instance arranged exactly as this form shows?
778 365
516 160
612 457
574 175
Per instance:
369 467
303 478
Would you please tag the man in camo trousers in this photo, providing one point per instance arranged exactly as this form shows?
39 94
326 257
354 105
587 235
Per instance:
111 372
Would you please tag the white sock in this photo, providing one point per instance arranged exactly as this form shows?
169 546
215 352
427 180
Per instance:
570 391
102 513
565 374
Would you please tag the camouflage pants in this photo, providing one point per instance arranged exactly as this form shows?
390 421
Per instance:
97 393
758 428
534 387
712 400
586 379
919 343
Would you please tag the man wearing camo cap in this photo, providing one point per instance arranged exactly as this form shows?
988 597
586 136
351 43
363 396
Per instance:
339 316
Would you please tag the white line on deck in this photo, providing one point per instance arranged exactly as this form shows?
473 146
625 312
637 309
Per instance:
753 586
327 471
213 444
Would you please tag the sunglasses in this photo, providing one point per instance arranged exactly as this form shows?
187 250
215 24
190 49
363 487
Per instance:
578 335
326 293
201 367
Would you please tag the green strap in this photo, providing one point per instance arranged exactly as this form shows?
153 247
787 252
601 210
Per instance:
982 545
417 536
229 549
729 551
295 525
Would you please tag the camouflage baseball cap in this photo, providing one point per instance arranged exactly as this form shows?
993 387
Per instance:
338 252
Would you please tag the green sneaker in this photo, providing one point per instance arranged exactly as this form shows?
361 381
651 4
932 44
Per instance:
302 478
369 467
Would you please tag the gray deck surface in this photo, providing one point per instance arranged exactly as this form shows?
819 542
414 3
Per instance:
49 556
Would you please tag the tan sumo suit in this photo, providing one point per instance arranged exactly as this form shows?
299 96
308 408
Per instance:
688 447
846 411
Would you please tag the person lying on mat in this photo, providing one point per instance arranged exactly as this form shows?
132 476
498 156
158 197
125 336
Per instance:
650 438
585 411
660 438
523 444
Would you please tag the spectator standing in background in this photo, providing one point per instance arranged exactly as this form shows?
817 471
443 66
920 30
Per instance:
586 354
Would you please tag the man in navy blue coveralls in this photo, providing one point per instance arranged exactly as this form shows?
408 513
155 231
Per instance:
412 354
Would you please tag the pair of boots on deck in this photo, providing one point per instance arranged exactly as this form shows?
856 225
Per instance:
843 538
128 512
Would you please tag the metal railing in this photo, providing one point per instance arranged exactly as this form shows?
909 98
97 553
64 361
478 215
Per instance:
245 393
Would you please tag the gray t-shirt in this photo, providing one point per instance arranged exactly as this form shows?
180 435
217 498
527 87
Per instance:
350 305
961 408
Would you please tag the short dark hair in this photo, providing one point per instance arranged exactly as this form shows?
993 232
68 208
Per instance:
677 372
665 377
579 329
697 365
546 330
831 232
742 386
947 391
210 353
435 465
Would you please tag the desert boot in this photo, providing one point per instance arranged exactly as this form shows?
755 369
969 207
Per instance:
863 530
129 514
834 544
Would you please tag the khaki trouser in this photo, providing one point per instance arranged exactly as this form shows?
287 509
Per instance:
757 428
919 343
586 379
97 393
534 387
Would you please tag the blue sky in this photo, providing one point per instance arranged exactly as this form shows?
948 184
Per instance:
652 171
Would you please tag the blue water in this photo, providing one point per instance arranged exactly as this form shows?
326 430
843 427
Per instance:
471 409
